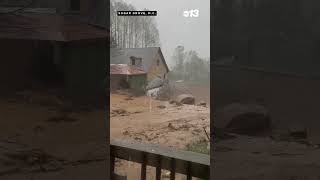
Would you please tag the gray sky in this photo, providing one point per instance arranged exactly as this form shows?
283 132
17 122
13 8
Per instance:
175 29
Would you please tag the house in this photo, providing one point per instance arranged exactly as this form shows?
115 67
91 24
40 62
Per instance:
54 41
150 60
126 76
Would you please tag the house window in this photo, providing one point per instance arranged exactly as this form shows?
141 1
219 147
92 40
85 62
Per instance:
133 62
75 5
158 62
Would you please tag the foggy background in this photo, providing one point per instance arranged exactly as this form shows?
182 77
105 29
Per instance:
175 29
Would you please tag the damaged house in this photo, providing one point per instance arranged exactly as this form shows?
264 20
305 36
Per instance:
58 43
125 76
146 65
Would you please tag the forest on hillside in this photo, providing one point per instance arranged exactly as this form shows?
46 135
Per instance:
189 66
132 31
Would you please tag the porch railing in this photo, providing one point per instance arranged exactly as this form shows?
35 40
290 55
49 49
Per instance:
176 161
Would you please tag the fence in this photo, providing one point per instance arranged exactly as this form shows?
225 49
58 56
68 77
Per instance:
176 161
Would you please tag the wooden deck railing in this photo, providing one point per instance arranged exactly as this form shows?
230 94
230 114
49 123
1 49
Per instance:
176 161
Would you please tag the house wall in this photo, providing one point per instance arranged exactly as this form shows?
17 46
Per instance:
115 81
138 83
84 67
61 5
156 71
16 67
28 64
85 6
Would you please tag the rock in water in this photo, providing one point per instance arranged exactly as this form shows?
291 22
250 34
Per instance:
298 131
202 103
243 119
250 123
186 99
161 107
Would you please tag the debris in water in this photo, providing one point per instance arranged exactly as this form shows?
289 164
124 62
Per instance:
161 107
202 103
62 119
126 133
171 126
128 98
119 112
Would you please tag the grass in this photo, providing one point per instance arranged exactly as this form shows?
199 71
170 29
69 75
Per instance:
199 147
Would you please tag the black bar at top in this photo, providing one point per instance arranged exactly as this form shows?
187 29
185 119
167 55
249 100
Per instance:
137 13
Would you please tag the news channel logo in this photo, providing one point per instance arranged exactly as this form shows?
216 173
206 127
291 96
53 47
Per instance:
191 13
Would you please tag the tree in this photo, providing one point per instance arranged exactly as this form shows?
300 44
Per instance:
178 58
189 66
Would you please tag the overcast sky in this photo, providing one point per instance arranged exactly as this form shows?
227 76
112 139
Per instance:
175 29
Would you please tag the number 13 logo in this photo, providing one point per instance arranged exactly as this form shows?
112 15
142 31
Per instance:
191 13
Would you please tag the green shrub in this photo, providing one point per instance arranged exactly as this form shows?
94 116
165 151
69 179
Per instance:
199 147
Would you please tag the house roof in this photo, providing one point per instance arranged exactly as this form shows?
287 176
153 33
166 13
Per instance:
122 56
124 69
47 27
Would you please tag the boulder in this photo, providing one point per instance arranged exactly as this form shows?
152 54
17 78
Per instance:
186 99
247 119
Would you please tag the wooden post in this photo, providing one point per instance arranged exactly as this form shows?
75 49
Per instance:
189 173
158 169
173 169
112 164
144 167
